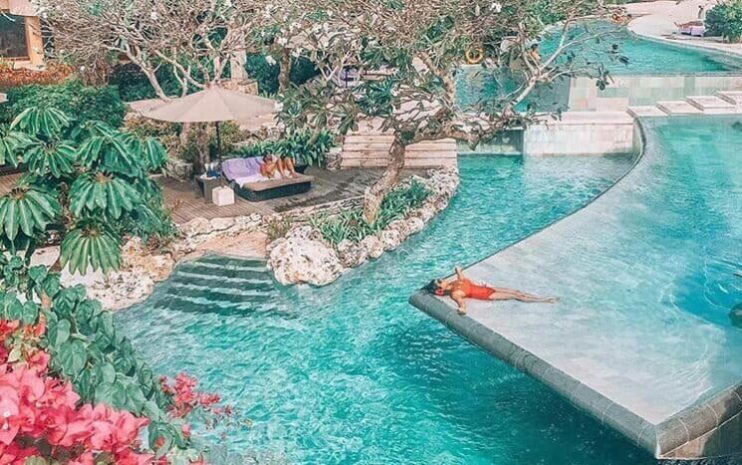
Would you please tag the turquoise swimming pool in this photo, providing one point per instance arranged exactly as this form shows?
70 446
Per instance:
351 373
645 58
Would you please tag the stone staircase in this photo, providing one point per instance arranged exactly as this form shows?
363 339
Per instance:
723 103
217 284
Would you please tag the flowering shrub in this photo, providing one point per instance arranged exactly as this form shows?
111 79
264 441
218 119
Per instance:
43 417
72 390
14 77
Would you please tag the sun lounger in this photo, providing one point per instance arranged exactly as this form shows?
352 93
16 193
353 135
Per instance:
692 28
244 177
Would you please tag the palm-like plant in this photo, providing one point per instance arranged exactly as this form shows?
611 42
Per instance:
90 181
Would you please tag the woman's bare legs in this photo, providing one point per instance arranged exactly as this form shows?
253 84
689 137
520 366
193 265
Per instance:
501 294
286 167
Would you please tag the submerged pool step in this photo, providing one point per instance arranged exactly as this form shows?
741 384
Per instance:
214 269
220 293
230 261
183 303
260 283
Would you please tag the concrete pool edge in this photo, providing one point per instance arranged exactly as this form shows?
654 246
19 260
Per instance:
690 434
708 427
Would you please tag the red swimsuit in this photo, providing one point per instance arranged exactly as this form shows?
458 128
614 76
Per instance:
473 291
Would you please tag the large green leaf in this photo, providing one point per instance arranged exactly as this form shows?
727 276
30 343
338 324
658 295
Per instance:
28 210
71 357
91 245
112 152
49 159
96 193
48 122
153 154
11 142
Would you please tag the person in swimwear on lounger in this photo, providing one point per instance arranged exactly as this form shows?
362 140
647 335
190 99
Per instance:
460 288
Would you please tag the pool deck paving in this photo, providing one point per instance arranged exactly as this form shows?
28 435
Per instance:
669 381
659 20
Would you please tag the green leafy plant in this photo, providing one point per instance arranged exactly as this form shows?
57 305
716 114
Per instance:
305 147
105 195
725 20
278 227
84 103
90 181
351 225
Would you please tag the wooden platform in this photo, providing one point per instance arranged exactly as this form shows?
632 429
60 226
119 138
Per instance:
328 186
186 202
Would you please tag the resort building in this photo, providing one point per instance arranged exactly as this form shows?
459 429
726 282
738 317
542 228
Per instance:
20 34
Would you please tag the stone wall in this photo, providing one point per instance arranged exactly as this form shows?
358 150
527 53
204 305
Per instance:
581 133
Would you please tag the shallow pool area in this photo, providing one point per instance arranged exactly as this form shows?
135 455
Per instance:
351 373
647 276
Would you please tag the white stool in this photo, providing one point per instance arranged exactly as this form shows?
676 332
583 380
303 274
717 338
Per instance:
222 196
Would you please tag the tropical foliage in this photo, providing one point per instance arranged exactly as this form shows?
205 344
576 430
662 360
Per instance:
74 387
86 182
725 20
86 103
305 147
410 53
351 225
266 72
74 390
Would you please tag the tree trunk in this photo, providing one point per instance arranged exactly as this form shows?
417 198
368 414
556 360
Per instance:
152 78
375 194
202 142
284 78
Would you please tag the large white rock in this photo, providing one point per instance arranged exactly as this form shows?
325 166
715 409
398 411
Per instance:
374 246
391 239
301 259
352 254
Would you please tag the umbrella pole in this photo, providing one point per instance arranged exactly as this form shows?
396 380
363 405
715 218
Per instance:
218 143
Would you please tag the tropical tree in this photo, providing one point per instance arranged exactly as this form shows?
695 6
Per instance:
86 184
725 20
415 49
200 42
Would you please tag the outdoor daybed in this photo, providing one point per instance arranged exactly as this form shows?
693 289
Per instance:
244 177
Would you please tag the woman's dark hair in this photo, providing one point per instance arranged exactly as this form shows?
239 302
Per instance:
433 286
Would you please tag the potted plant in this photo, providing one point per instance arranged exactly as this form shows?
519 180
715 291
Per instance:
306 148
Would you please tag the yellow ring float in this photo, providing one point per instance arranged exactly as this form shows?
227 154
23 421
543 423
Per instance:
474 56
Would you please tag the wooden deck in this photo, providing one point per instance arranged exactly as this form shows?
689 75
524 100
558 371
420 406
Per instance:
186 202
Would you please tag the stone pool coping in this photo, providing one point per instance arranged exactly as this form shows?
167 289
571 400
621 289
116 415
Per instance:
708 426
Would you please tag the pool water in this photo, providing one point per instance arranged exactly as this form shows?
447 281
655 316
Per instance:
645 57
351 373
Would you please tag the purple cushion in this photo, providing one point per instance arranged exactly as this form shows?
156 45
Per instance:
240 167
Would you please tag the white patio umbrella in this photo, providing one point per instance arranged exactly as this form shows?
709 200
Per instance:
213 105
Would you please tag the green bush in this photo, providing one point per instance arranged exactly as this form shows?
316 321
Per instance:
84 103
725 20
350 225
133 84
305 147
266 74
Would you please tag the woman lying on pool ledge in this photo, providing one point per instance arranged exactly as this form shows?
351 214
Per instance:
460 288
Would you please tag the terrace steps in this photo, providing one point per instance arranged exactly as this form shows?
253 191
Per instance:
723 103
732 96
218 284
